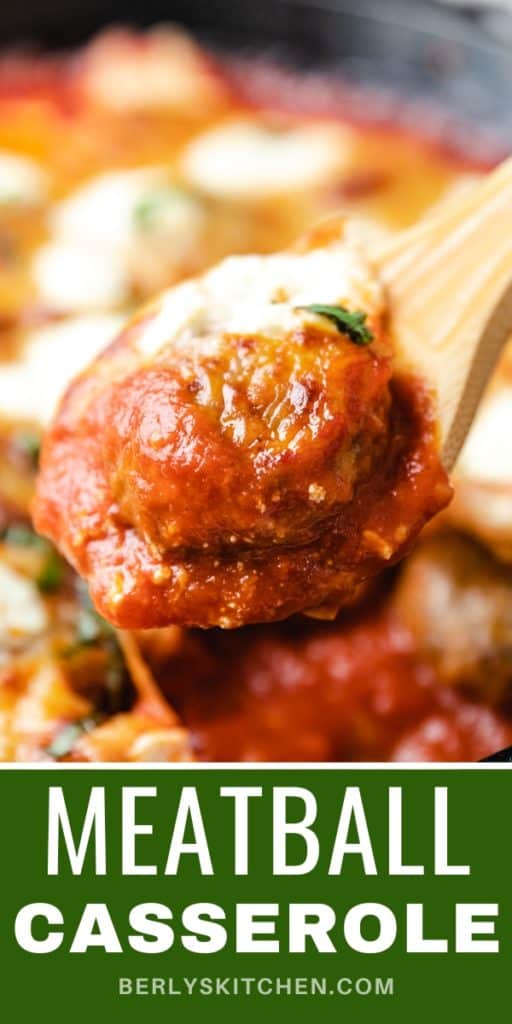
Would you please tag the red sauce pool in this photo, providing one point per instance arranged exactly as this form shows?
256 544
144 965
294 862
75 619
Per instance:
344 692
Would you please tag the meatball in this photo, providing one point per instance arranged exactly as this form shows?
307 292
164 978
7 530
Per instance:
240 452
457 602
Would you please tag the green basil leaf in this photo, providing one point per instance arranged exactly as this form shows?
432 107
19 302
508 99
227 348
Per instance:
64 741
150 210
51 574
349 322
29 442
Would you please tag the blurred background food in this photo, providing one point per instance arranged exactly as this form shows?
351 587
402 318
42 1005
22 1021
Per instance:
144 157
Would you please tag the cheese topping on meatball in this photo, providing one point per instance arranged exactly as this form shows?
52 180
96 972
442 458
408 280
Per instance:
265 295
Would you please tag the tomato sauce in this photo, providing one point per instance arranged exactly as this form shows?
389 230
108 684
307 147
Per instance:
350 691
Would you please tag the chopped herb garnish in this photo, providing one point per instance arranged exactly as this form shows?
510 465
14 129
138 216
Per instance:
29 442
52 567
93 629
152 208
51 574
352 323
24 536
65 740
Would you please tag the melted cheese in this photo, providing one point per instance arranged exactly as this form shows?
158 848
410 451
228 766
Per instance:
79 278
51 356
22 612
245 161
121 230
103 211
261 295
487 453
22 181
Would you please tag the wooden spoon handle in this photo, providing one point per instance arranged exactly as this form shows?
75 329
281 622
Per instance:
449 282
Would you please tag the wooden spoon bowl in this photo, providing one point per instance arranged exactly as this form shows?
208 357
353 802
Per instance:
449 283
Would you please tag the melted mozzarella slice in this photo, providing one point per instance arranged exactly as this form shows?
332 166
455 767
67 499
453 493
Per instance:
104 210
79 278
245 161
51 356
121 230
261 295
487 453
22 611
22 181
164 69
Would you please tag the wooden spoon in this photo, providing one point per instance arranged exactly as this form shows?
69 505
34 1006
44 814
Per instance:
449 283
